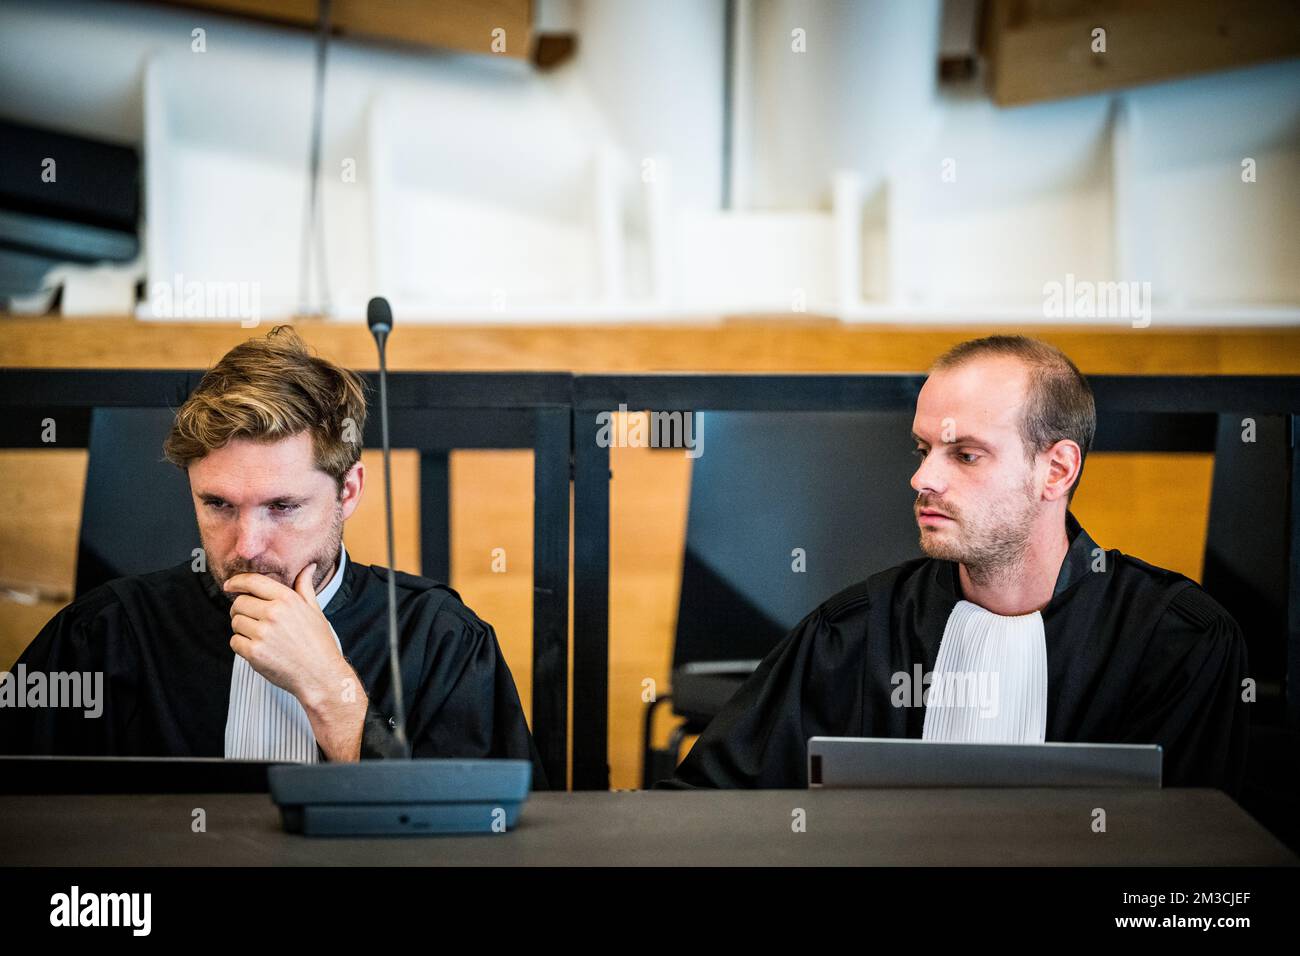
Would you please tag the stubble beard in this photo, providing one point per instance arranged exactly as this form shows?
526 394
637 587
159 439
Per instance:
325 559
992 545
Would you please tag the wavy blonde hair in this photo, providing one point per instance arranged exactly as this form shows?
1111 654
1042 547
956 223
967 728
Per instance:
269 389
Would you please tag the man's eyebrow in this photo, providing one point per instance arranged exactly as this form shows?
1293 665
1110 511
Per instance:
278 499
959 440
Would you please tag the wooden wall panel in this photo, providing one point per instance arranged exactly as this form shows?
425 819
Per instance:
464 25
1043 49
758 344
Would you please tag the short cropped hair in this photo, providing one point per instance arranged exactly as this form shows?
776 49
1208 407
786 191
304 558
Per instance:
1060 403
268 389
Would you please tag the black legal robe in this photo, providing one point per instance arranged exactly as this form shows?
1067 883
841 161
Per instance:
1135 654
162 641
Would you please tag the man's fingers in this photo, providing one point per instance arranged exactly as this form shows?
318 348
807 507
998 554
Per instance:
246 626
258 585
250 606
304 586
241 646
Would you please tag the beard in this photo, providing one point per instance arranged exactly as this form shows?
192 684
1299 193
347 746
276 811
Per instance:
325 557
989 539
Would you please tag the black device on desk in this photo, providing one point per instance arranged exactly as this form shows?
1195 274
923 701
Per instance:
401 796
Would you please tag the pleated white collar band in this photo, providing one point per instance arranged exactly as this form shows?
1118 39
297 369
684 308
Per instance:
990 679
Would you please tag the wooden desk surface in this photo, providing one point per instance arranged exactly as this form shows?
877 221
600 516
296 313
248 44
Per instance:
1052 827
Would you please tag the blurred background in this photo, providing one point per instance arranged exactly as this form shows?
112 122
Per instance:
533 160
626 185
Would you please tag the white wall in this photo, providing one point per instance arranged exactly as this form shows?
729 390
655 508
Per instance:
486 190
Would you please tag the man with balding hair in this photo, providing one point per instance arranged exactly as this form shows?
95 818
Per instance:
1021 628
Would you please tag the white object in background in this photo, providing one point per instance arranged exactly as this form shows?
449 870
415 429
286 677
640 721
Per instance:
999 203
744 100
225 184
655 72
97 290
768 262
846 211
1190 222
506 215
661 234
607 190
835 86
38 303
227 138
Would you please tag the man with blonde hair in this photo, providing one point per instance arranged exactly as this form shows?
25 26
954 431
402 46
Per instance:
275 647
1016 627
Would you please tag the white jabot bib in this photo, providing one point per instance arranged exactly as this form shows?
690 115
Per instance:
266 722
990 679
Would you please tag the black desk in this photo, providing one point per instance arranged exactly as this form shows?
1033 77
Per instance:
662 828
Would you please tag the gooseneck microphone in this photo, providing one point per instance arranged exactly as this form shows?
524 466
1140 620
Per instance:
409 797
379 316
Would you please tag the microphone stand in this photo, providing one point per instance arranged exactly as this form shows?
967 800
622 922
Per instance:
406 796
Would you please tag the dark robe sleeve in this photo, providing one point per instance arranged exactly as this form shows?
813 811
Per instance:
1188 695
91 636
466 703
809 685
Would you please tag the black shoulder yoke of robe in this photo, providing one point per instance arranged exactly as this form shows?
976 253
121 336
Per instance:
162 642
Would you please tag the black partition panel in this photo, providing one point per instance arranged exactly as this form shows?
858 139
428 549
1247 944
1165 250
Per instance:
123 416
1246 548
1135 413
768 538
137 514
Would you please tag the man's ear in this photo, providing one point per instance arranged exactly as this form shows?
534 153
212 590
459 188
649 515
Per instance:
1064 461
354 481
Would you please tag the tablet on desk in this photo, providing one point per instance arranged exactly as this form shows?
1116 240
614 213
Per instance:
849 762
